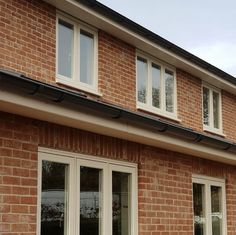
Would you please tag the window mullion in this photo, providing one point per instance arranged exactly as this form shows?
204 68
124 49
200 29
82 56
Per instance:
211 108
76 57
208 209
163 97
149 84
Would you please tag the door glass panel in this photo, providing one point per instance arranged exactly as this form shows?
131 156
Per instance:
120 203
199 209
206 111
86 57
142 73
54 198
156 83
169 88
90 201
216 111
216 211
65 44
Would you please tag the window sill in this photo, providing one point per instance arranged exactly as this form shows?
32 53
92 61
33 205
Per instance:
213 131
79 86
159 113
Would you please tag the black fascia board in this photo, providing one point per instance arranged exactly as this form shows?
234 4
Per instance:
18 82
140 30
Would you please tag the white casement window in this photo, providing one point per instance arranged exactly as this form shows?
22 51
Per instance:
156 87
86 195
209 206
211 103
76 54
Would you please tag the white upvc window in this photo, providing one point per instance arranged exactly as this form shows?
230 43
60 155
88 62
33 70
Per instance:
76 54
156 86
209 206
211 104
81 194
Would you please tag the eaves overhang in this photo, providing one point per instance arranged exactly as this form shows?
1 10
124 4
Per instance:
24 96
108 20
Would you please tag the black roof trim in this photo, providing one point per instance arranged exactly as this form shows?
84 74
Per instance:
32 87
131 25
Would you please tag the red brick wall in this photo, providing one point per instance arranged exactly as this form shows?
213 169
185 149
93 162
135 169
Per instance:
164 177
229 115
27 34
27 45
116 63
189 90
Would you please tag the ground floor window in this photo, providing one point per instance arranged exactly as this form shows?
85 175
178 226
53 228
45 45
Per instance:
84 195
209 206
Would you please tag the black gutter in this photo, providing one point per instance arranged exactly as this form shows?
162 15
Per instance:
18 82
140 30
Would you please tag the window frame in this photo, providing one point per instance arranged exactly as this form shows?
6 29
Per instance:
74 81
208 182
107 165
210 127
148 105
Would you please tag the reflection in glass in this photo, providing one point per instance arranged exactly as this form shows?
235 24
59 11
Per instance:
156 83
216 210
142 79
65 42
216 109
199 211
120 203
206 101
86 57
169 88
90 201
54 198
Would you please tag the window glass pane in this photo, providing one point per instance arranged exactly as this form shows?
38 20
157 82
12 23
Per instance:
206 101
120 203
216 109
199 209
90 201
156 83
65 44
216 210
54 198
169 88
86 57
142 73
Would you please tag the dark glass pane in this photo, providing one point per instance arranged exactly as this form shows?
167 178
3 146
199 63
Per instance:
206 111
90 201
156 85
216 210
199 210
65 42
54 198
216 110
142 79
120 203
86 57
169 87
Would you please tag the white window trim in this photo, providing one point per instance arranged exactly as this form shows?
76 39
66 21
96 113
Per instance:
74 80
107 165
210 127
148 106
211 181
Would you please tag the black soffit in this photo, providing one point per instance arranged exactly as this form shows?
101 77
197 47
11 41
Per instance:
15 82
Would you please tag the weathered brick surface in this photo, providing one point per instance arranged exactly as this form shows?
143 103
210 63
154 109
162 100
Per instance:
164 177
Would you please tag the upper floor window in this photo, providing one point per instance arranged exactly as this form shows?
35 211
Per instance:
156 87
209 206
83 195
212 109
76 54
